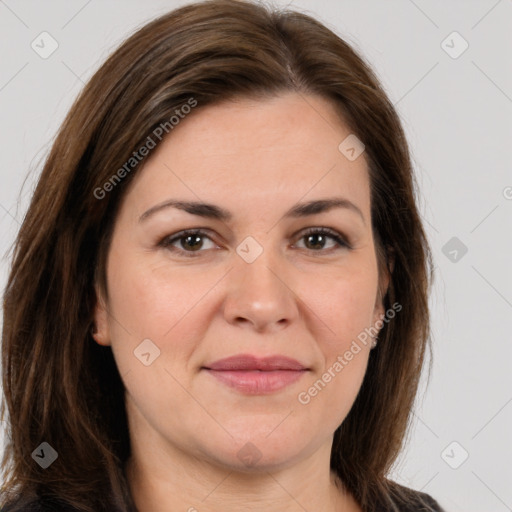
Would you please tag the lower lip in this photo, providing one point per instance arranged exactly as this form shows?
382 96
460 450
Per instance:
257 382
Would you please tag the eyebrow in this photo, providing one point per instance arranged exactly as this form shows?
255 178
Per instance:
211 211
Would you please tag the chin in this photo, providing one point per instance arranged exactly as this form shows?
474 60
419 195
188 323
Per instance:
257 453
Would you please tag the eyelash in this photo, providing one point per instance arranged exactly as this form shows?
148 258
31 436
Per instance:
167 241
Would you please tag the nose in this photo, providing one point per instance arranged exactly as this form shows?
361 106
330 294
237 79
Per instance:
259 295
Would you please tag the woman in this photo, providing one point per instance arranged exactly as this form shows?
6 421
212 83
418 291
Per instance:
218 296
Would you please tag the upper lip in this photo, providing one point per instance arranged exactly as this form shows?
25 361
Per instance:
249 362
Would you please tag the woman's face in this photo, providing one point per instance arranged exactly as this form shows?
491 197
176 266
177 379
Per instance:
253 283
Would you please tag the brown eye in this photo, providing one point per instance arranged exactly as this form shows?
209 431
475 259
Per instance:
190 242
317 238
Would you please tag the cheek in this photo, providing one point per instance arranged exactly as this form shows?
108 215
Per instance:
151 300
170 306
331 395
346 312
344 302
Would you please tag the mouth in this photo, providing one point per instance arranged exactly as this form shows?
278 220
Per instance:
256 376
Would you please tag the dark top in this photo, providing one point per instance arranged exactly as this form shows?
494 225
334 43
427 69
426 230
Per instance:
423 503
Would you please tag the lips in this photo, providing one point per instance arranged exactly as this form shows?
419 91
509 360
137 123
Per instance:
251 375
244 362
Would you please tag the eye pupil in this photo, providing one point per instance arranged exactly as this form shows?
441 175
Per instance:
317 245
194 245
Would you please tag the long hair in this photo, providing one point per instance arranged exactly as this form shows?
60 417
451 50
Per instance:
62 388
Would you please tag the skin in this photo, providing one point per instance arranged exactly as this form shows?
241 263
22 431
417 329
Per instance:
303 297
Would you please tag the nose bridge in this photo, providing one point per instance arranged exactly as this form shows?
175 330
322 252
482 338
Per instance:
258 292
258 269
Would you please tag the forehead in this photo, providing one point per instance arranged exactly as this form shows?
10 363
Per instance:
277 150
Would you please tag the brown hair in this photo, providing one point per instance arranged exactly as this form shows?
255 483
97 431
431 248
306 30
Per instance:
55 375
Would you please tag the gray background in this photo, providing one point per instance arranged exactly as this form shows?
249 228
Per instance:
457 115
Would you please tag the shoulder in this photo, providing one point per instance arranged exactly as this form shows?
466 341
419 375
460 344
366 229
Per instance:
410 500
26 507
425 503
22 506
36 505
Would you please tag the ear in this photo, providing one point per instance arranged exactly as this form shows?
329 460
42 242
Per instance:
101 331
385 272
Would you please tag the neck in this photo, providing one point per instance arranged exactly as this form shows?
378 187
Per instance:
201 486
